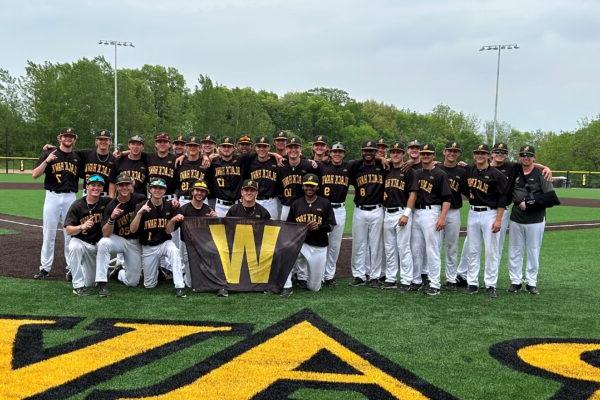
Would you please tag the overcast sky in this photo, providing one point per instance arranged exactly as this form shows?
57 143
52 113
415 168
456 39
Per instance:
414 54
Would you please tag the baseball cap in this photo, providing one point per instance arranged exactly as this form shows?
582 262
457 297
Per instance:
414 143
124 178
94 178
136 138
180 139
500 148
68 132
280 136
193 141
226 141
245 139
338 146
162 136
157 182
368 145
526 150
262 140
397 146
381 142
482 147
452 146
310 179
427 148
320 139
209 138
294 142
103 133
249 183
200 185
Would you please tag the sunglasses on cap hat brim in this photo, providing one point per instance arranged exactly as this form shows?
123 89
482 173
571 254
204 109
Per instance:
526 155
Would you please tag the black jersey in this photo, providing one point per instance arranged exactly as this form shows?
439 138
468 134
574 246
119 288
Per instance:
96 164
134 168
122 223
265 173
367 180
509 169
224 178
164 168
80 212
335 180
152 225
188 173
320 211
290 180
457 178
528 185
62 175
257 211
434 188
189 211
397 187
486 187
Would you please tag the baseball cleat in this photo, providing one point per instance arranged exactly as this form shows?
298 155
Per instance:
404 288
222 293
431 291
461 281
42 274
473 289
114 272
286 292
514 288
82 291
68 276
358 282
415 287
389 285
168 275
451 286
180 292
103 289
374 284
330 282
302 284
491 292
425 278
532 289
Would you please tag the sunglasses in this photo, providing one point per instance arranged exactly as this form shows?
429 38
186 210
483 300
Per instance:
526 155
499 152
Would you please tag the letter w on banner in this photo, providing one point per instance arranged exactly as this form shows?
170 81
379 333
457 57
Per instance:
240 254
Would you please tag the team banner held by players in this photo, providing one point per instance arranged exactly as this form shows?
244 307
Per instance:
240 254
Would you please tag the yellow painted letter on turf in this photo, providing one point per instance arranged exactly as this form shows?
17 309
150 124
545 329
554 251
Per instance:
563 359
276 359
259 267
38 377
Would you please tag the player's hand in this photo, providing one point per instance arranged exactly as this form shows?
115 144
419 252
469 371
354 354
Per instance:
440 225
145 208
51 157
314 164
462 164
48 147
175 203
523 205
496 226
313 226
116 212
407 166
179 160
212 213
278 159
87 224
547 173
403 220
206 162
385 163
117 153
178 218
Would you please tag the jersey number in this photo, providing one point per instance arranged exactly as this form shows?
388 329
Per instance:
287 192
363 192
221 182
184 185
58 178
149 236
326 191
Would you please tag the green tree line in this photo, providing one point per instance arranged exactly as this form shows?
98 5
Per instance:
50 96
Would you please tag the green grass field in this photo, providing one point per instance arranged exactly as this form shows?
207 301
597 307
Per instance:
20 178
444 340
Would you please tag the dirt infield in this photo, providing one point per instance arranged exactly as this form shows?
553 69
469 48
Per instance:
20 252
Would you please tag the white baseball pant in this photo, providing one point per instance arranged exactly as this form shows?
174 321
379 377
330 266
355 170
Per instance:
367 230
335 242
450 236
503 232
426 236
82 257
221 209
525 237
151 258
56 206
479 232
396 240
285 210
271 206
311 259
132 255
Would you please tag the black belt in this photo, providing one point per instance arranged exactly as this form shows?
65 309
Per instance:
481 208
425 207
369 208
337 205
393 209
62 191
225 202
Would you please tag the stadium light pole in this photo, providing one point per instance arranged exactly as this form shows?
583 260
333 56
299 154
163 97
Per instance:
499 48
116 43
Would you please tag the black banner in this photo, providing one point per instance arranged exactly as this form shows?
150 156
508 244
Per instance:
241 254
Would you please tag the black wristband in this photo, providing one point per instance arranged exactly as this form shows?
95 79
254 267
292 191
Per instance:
111 221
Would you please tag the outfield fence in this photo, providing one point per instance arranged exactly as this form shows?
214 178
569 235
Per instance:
576 179
12 165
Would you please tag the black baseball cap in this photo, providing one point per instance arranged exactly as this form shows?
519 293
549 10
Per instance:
310 179
280 136
320 139
226 141
482 148
427 148
397 146
180 139
249 183
294 142
209 138
500 148
368 145
193 141
136 138
452 146
68 132
381 142
162 136
103 134
262 140
124 178
527 150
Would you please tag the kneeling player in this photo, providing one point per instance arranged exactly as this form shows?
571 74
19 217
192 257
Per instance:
317 213
151 220
83 225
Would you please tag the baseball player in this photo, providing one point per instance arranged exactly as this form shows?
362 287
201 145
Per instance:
381 148
244 144
189 171
118 237
280 140
320 149
195 208
179 145
334 187
249 207
527 222
61 169
400 193
133 165
316 212
366 175
486 191
151 220
83 224
263 170
208 145
432 205
414 155
457 180
161 164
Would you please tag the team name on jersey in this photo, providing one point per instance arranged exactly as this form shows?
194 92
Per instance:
161 170
304 218
93 168
191 174
227 170
454 184
335 180
96 218
155 223
263 174
291 180
478 184
369 178
395 183
125 220
63 166
425 185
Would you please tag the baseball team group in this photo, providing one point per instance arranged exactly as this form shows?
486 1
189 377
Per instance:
406 208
